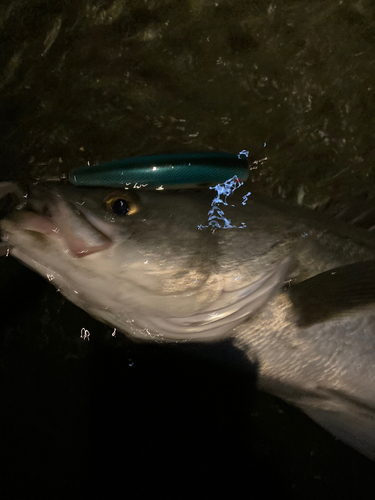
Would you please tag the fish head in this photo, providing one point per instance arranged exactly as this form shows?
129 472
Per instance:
139 260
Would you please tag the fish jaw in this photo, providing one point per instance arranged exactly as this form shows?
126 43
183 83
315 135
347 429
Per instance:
76 234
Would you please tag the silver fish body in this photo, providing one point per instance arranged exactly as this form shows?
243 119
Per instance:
203 265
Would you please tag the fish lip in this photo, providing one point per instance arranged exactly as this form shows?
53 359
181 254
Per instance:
39 213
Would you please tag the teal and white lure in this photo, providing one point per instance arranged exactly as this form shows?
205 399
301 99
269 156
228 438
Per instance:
167 171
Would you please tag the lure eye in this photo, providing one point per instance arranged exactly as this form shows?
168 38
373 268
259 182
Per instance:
121 204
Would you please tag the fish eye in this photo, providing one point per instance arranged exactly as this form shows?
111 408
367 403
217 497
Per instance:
120 207
120 204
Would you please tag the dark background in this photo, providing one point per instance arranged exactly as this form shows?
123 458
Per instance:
91 81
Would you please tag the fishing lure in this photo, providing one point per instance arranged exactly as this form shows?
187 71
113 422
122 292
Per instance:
164 171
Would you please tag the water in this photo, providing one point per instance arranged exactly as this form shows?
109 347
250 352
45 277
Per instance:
86 81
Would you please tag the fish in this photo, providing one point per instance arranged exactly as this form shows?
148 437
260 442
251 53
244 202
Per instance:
290 288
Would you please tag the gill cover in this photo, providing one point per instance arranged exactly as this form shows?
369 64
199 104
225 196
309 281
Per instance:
219 318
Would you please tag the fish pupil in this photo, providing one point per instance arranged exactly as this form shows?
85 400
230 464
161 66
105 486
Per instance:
120 207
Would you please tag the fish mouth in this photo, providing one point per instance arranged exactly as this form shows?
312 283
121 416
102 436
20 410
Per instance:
11 197
45 215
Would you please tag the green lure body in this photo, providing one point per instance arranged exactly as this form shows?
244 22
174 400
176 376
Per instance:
164 171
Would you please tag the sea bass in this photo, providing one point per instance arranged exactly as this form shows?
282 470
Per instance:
293 291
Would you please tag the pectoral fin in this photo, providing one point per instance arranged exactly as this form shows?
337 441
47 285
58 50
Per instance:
343 290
